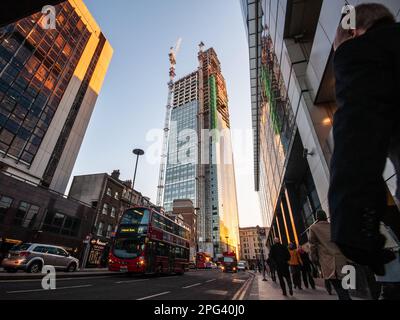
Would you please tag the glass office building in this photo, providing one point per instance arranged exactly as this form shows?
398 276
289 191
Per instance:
182 155
293 104
49 78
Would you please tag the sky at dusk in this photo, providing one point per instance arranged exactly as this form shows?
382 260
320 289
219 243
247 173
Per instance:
132 102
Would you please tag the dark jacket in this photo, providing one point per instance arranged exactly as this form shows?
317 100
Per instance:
307 264
280 256
365 129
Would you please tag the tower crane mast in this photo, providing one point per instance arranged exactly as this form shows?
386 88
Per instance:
164 156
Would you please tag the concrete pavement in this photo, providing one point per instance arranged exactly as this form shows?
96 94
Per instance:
270 290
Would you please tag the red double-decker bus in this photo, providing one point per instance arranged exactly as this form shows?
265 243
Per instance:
148 242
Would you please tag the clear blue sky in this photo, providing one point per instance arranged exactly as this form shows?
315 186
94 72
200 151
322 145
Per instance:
132 101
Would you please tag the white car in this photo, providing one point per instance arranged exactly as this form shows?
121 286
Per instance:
242 266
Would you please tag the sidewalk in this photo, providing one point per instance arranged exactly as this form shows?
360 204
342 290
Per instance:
269 290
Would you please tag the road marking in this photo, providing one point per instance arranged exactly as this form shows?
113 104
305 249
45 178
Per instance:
212 280
155 295
191 286
242 291
238 280
130 281
58 279
217 292
39 290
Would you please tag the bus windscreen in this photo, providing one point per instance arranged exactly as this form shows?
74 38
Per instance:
128 248
136 217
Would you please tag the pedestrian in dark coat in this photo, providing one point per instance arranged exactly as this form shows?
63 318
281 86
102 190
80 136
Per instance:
281 256
366 131
306 269
272 269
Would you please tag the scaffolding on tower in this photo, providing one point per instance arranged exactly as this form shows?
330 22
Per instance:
164 155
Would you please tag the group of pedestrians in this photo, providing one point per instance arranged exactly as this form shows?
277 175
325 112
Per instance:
295 267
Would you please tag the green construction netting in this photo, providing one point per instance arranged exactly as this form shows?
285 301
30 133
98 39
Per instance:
276 122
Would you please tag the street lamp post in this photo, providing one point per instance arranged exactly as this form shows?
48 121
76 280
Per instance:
138 153
227 243
260 233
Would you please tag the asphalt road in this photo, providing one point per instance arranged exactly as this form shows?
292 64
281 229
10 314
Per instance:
194 285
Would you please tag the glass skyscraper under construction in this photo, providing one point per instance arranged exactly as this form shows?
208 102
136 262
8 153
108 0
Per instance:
200 161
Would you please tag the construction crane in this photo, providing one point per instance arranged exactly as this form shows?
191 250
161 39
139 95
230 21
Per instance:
163 166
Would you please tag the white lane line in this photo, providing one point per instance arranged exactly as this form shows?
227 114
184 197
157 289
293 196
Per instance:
131 281
191 286
212 280
155 295
238 281
217 292
39 290
61 279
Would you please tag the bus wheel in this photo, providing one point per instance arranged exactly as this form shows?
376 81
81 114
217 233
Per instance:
182 272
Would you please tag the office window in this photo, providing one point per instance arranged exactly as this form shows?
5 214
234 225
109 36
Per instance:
35 69
109 231
100 229
113 212
105 208
26 215
61 224
5 203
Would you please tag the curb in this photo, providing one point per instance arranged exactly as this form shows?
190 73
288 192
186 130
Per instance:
241 293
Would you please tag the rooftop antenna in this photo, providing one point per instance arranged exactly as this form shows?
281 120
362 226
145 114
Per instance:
172 74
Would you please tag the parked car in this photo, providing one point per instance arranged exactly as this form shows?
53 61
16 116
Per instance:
31 257
192 265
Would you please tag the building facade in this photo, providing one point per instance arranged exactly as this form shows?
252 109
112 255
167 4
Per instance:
200 161
109 197
31 213
181 174
49 83
293 103
184 208
253 246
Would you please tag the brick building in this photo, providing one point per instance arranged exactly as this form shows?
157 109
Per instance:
30 213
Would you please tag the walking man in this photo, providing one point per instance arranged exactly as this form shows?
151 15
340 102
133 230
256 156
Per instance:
325 253
280 256
306 269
